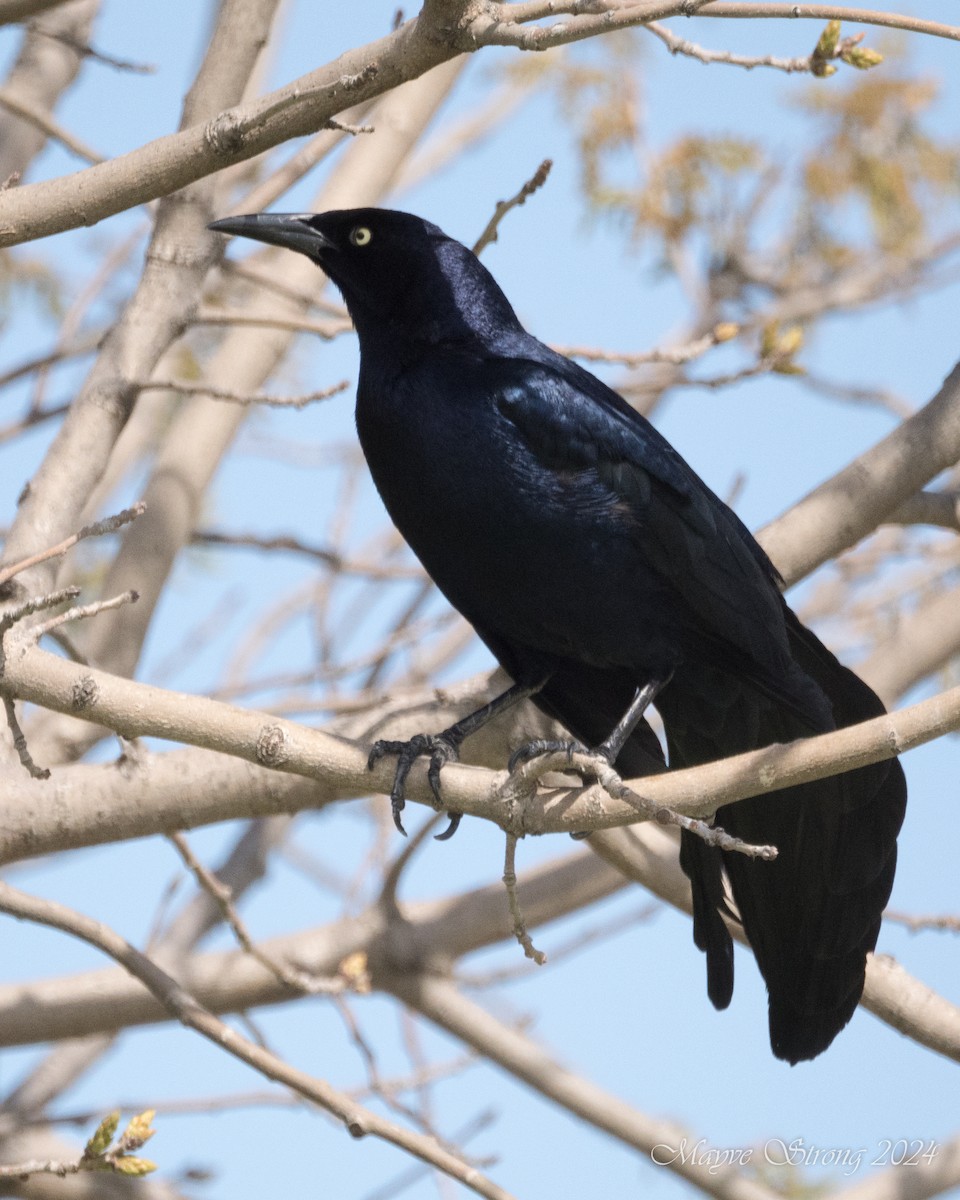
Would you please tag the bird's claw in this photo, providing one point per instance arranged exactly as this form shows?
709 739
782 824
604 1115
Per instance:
441 750
540 746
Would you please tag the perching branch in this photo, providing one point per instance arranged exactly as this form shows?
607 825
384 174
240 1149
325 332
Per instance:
134 710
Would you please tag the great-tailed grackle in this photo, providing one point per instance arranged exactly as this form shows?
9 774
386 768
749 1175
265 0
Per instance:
601 571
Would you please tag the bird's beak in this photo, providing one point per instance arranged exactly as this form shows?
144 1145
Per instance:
292 230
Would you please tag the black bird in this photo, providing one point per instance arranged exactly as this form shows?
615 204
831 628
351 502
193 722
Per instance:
602 572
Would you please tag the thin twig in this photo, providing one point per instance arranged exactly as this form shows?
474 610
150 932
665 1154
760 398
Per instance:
97 529
331 558
405 1179
713 835
592 766
675 355
585 939
536 181
101 1153
265 193
510 883
207 1105
85 50
327 330
37 1167
916 924
391 878
750 10
766 365
342 127
80 612
806 64
28 607
33 418
85 345
854 394
20 742
222 896
202 389
374 1083
604 16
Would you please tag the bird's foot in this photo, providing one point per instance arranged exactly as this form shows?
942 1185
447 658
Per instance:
441 748
568 746
540 746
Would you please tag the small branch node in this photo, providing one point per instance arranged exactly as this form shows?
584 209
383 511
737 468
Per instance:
224 134
272 748
85 693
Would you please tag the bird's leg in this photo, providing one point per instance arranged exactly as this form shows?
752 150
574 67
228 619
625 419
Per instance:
614 742
611 746
442 748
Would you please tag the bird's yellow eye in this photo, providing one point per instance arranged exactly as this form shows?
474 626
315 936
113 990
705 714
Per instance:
360 235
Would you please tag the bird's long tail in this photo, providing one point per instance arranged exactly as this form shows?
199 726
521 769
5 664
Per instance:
812 915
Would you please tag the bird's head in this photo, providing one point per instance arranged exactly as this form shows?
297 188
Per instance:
398 273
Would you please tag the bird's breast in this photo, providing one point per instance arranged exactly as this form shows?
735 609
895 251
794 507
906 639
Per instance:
537 554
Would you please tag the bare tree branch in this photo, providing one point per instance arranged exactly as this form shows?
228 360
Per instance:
441 1001
185 1009
749 9
46 125
180 252
138 710
850 505
229 134
231 981
44 69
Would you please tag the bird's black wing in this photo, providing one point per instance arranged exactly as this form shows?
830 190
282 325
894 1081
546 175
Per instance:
752 675
717 576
